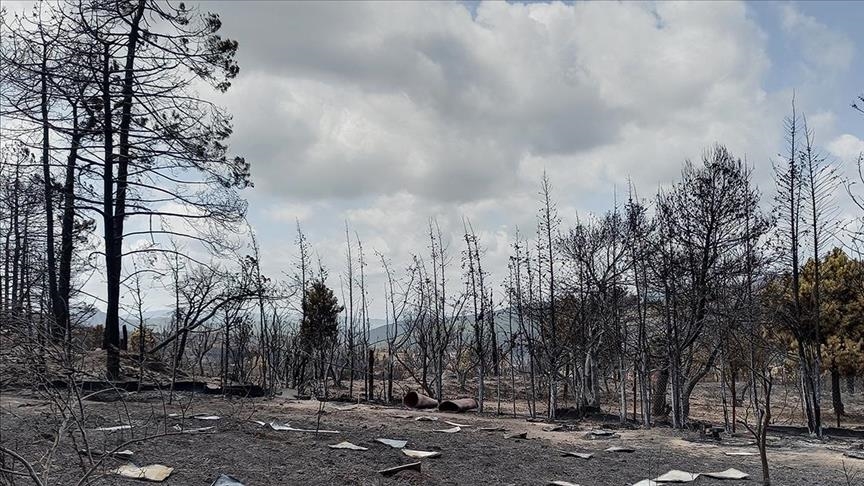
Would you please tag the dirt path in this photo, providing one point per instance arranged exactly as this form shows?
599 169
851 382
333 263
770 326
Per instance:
259 455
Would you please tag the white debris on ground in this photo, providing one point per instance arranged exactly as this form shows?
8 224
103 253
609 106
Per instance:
394 443
730 473
346 409
647 482
581 455
114 428
676 476
287 427
96 452
415 466
420 454
348 445
178 428
226 480
154 472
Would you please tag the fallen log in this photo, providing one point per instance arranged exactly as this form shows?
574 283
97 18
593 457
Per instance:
417 400
460 405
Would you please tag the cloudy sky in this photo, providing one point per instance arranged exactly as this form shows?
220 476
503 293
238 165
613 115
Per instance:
384 115
387 114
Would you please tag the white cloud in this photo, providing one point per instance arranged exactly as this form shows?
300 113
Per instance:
846 147
364 99
821 46
387 114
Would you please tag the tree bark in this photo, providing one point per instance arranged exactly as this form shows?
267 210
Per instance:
370 380
114 211
111 336
659 408
57 327
64 278
732 389
806 396
836 397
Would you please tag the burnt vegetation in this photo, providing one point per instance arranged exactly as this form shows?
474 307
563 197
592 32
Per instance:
109 136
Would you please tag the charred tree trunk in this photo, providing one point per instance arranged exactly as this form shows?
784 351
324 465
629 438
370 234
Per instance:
370 376
732 388
115 203
67 228
112 319
659 407
836 397
56 326
806 395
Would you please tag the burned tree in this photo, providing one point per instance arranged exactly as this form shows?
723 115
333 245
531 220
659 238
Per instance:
476 287
597 261
47 96
547 234
398 293
160 140
703 226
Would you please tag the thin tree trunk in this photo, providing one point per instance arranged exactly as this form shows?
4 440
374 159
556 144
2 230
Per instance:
763 446
732 385
622 379
806 395
661 383
723 399
66 233
836 397
58 323
112 318
370 383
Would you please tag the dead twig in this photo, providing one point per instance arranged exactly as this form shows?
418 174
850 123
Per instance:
124 445
30 471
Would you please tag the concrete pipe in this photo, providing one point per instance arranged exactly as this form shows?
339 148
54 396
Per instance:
460 405
417 400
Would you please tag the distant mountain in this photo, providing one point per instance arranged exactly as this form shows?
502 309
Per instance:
97 319
378 336
159 319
